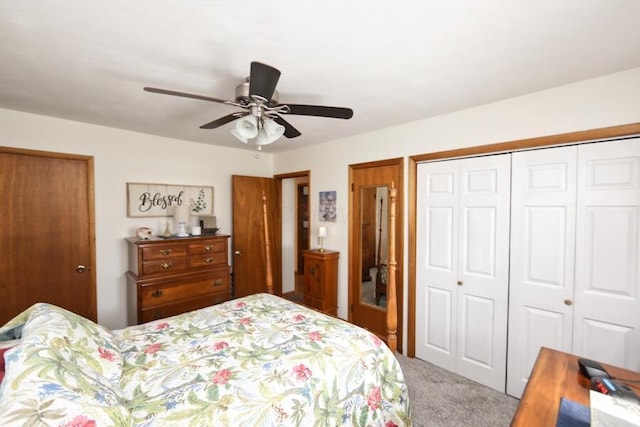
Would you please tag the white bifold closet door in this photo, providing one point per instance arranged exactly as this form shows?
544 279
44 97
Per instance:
542 258
462 266
607 290
575 277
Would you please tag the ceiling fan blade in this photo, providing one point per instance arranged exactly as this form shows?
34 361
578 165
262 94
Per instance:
263 80
289 131
320 111
224 120
185 95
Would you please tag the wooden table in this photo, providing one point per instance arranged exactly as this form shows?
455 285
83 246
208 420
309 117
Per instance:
556 375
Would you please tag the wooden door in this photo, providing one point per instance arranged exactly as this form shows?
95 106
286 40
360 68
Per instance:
47 242
249 261
463 266
543 210
371 314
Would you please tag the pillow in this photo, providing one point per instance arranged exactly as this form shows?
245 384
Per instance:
75 339
42 388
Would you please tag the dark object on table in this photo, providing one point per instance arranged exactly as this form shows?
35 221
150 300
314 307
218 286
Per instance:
614 388
592 369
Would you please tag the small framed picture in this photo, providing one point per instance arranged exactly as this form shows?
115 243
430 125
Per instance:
328 211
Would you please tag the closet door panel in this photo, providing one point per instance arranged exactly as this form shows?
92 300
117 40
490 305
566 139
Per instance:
606 340
479 241
608 257
477 328
462 266
436 277
542 258
483 274
439 336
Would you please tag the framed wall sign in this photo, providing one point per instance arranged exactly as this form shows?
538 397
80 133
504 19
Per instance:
145 200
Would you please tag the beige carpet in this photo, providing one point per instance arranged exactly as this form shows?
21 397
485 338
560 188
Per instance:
440 398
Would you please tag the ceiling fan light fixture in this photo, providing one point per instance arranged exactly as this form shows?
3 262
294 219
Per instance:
273 129
258 97
237 134
269 132
246 128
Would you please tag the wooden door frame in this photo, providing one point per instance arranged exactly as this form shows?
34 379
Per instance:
502 147
299 174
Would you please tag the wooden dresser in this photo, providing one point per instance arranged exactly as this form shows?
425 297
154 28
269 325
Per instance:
321 280
173 276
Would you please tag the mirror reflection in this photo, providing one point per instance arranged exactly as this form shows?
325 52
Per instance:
374 239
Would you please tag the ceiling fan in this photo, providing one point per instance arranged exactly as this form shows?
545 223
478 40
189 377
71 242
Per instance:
262 115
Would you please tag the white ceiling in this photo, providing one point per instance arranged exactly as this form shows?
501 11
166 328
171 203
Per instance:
391 61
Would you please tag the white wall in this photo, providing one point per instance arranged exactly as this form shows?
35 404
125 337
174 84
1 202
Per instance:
121 157
607 101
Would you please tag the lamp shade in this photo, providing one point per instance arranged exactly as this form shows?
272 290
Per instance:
181 213
273 129
322 231
269 132
245 129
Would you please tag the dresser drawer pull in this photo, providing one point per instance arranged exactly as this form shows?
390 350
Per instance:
207 248
158 293
166 251
208 260
166 265
218 282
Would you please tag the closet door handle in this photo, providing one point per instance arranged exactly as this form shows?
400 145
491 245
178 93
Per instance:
459 283
568 302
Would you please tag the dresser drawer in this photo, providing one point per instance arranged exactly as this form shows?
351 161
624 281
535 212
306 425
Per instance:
166 265
208 260
216 281
162 311
208 247
163 251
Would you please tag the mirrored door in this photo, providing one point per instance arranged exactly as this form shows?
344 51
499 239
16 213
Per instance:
375 243
369 244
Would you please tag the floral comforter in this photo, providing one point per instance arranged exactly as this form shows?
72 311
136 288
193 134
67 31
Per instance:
253 361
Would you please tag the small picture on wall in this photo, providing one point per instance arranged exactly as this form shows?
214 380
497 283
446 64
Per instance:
328 212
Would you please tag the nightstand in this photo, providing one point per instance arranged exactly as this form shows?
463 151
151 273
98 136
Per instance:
321 280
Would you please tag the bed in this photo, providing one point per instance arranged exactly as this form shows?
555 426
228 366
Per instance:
255 361
260 360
